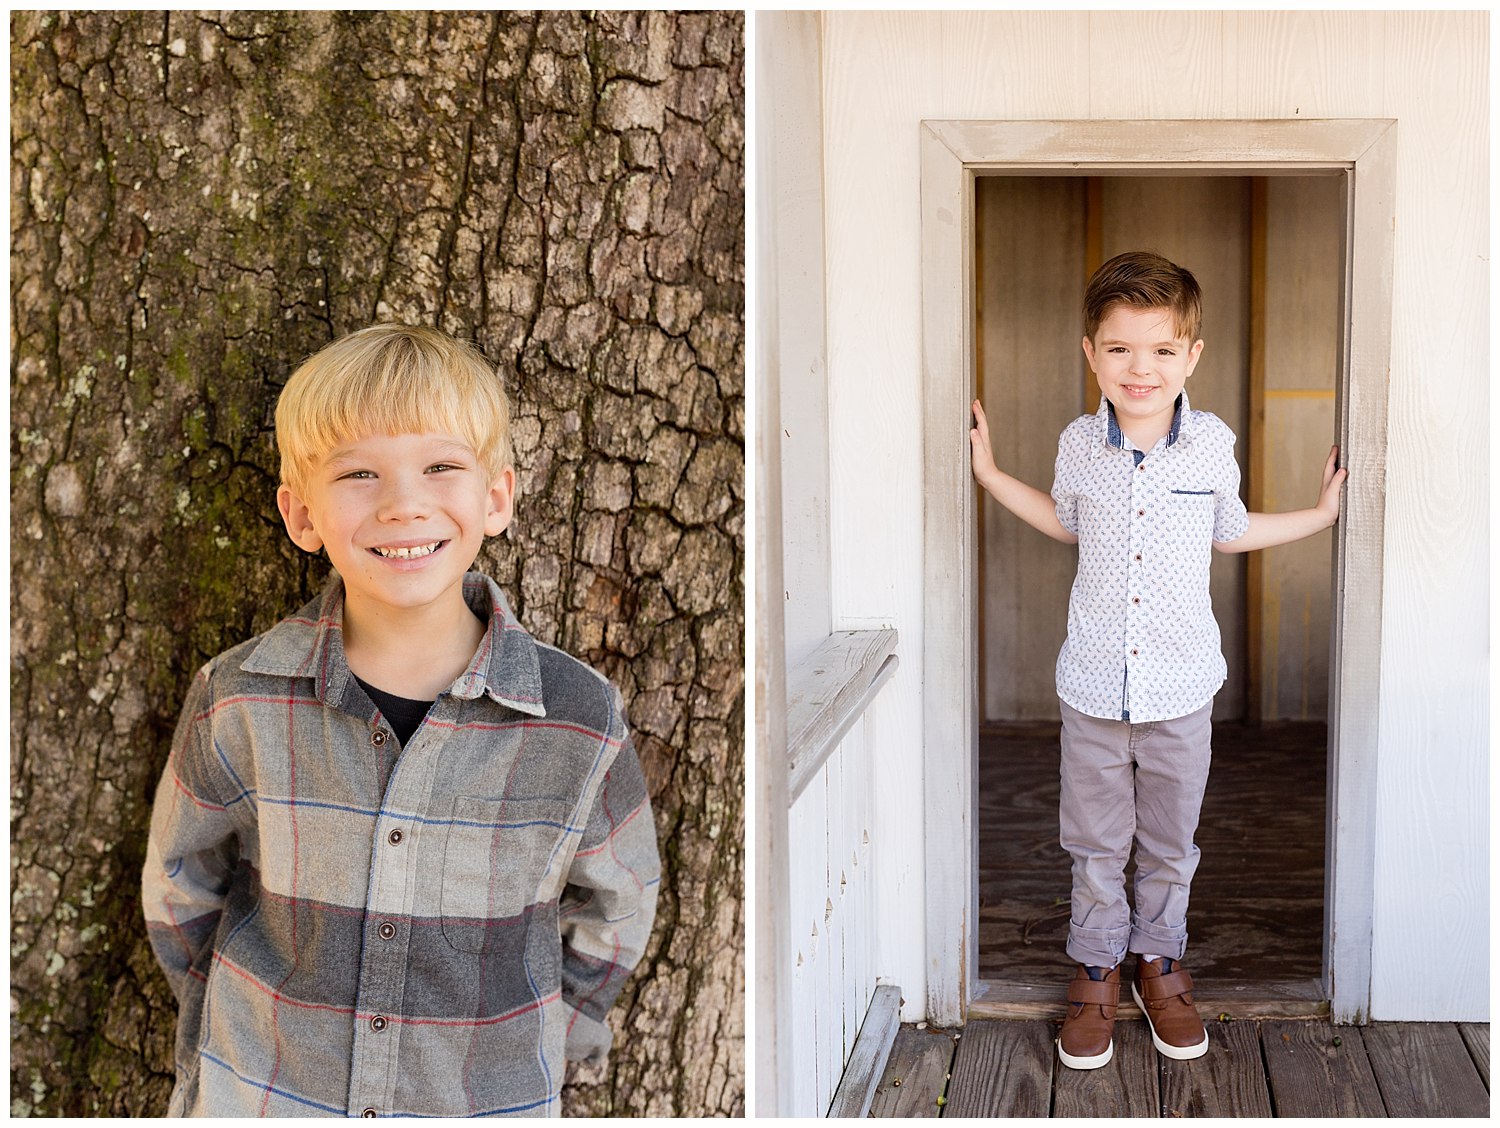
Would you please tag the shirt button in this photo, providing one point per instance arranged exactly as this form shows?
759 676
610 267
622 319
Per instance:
378 1023
1140 512
378 738
1137 557
387 930
1141 466
369 1112
1134 653
395 837
1137 599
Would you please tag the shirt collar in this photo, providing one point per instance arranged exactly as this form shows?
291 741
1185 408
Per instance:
1115 438
310 643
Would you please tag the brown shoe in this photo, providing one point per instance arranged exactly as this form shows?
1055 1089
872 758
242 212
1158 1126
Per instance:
1165 993
1087 1038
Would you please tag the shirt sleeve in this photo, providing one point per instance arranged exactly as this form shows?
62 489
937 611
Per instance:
192 849
1231 521
1064 495
609 902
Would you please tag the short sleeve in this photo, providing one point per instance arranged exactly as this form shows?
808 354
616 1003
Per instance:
1064 483
1231 522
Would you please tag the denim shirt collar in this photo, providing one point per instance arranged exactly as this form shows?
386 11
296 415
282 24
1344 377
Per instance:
1115 438
505 666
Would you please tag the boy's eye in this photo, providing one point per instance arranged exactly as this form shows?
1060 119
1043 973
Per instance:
357 474
435 467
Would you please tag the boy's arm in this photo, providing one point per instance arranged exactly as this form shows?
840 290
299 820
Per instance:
609 903
1270 529
1028 503
192 849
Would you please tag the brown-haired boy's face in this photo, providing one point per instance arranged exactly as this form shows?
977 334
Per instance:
1141 364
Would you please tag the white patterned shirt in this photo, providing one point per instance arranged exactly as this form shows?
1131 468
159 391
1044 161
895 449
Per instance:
1142 642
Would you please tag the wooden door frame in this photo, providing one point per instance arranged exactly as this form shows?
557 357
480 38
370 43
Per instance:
952 154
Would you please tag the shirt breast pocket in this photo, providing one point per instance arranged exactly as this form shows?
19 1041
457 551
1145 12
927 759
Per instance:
498 856
1191 513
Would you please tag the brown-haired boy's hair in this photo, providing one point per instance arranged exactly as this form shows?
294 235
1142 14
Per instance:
1144 280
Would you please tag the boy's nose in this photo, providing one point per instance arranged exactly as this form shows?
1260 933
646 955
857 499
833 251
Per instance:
401 500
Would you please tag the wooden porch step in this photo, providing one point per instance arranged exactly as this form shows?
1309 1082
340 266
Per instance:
998 998
872 1049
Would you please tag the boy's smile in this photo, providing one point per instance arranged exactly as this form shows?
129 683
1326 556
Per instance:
402 518
1141 365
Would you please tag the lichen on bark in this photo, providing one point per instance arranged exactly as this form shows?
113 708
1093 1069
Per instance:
201 200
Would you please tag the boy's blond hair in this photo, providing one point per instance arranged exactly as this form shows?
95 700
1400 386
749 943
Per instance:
1144 280
391 379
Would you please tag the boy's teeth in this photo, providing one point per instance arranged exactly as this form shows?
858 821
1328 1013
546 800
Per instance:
410 553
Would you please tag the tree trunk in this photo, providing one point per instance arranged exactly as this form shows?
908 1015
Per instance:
198 203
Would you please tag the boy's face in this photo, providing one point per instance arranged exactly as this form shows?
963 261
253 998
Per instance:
401 516
1141 363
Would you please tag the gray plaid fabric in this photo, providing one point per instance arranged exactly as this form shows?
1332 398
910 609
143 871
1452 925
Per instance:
436 949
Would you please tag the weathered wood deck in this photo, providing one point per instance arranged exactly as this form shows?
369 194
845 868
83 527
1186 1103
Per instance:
1253 1068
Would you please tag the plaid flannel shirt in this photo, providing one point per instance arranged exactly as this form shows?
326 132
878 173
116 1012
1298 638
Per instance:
438 949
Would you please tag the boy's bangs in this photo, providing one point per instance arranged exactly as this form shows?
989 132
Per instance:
395 402
391 381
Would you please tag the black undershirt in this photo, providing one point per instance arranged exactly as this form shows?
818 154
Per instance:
402 713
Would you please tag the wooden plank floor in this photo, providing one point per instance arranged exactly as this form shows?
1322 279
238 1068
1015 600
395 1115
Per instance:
1265 1069
1257 904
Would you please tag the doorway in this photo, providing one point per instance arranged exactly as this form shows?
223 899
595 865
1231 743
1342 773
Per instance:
1266 251
953 154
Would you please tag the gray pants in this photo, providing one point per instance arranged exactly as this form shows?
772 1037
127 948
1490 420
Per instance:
1123 781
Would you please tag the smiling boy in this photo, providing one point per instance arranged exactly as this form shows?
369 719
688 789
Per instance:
401 857
1144 487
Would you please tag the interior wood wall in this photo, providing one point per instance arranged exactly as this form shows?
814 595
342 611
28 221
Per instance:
882 74
1304 218
1029 274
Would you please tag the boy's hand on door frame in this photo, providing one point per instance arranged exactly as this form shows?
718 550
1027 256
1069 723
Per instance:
983 456
1333 481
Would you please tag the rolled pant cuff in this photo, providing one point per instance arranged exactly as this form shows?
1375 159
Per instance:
1155 940
1096 947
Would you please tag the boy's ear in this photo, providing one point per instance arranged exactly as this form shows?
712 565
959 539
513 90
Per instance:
502 503
1193 354
298 520
1088 350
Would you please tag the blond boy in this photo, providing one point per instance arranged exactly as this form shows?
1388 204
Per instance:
401 857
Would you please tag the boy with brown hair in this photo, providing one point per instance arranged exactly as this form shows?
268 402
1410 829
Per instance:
1144 487
402 856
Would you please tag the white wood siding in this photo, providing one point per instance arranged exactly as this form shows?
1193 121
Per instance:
797 198
834 927
882 74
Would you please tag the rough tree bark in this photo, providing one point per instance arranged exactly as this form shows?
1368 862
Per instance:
201 200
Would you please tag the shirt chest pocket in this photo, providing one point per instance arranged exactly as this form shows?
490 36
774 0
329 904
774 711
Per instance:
499 856
1190 512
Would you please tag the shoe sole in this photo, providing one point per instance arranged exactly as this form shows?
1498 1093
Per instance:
1166 1049
1096 1062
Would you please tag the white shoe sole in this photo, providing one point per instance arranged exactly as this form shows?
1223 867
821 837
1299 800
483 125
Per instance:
1166 1049
1095 1062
